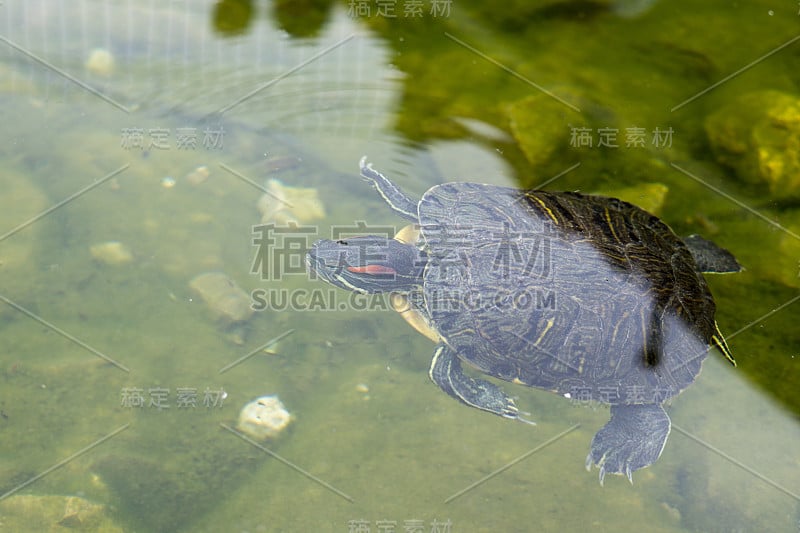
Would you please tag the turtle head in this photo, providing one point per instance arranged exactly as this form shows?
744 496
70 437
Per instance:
368 264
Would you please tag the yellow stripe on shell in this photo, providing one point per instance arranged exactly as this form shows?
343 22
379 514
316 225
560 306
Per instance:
544 207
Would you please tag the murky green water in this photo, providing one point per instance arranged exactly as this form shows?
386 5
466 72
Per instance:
106 153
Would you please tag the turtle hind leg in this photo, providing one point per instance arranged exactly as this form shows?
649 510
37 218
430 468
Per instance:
632 439
446 372
710 257
392 195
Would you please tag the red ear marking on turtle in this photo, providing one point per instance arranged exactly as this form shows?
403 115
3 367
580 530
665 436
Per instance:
372 269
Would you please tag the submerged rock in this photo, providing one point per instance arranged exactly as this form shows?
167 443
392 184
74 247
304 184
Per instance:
758 136
228 303
100 61
111 253
19 202
198 175
224 298
785 268
282 204
30 512
263 418
540 125
178 475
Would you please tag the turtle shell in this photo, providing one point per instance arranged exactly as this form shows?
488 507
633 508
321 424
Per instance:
581 295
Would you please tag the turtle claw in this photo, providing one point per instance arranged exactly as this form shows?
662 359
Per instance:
511 411
601 464
628 473
531 422
602 475
590 462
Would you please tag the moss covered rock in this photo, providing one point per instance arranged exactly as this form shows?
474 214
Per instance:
758 136
30 512
541 126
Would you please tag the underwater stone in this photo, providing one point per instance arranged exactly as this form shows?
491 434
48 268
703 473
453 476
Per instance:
100 61
20 201
46 513
540 126
282 204
758 136
198 175
111 253
224 298
263 418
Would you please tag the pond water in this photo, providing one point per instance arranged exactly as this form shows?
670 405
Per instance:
138 139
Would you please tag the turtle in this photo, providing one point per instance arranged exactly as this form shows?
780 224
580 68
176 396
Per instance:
585 296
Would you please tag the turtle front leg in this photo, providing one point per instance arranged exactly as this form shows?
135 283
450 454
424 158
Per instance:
446 372
391 193
632 439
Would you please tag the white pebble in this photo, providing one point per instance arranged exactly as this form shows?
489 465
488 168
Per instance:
100 61
263 418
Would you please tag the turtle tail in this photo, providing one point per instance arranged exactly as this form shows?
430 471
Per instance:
719 341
